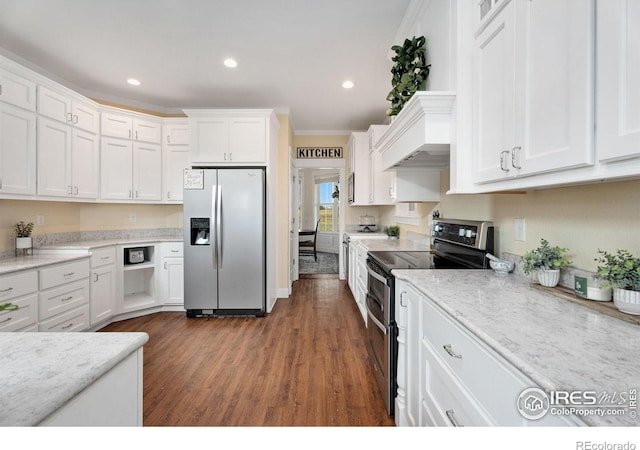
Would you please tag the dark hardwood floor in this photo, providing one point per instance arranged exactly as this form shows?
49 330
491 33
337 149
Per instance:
305 364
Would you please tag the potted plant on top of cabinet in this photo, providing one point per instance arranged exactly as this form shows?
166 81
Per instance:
409 72
622 272
546 261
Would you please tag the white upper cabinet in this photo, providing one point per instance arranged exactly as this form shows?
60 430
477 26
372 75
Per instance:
380 181
61 107
618 75
68 161
229 136
125 126
130 171
359 167
17 150
533 101
18 91
175 154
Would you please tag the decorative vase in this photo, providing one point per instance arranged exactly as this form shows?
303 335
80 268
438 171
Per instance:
627 301
549 277
393 237
24 245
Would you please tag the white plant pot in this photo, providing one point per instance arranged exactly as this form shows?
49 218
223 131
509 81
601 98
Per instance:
549 278
627 301
23 242
392 237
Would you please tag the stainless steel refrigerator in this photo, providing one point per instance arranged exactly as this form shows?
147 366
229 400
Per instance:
224 242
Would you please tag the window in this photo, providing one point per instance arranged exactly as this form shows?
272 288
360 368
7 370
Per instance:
327 204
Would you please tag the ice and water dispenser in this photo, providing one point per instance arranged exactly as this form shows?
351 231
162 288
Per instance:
200 231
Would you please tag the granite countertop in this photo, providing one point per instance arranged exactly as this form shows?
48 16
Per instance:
560 345
16 264
68 251
40 372
402 245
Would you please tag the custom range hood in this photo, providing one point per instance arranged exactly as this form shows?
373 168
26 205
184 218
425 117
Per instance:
420 135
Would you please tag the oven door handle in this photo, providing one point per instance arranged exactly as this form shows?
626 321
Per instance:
377 322
377 276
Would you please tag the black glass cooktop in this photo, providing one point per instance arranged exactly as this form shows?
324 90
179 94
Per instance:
403 260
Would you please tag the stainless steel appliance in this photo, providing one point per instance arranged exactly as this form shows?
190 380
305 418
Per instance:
224 242
459 244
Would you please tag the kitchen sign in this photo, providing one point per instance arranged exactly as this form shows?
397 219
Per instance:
319 153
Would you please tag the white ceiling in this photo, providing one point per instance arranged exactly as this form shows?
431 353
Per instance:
291 53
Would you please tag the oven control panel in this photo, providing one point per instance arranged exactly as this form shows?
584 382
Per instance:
474 234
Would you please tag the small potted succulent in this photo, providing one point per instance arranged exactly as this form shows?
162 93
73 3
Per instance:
393 231
621 271
23 236
547 262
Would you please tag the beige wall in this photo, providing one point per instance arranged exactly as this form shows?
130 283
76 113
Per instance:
285 141
63 217
582 218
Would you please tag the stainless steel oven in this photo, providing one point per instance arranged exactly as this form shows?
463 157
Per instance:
382 331
459 244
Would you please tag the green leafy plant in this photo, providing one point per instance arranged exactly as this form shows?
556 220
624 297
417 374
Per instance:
336 192
544 257
8 307
392 230
620 270
23 229
409 72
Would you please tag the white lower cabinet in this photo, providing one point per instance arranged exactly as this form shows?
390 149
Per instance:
25 316
64 297
103 284
448 377
172 278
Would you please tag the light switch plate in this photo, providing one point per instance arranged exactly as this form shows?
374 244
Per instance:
518 230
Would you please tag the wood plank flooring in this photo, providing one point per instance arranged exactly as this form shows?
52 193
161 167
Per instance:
305 364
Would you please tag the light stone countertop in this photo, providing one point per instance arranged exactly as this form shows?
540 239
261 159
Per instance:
40 372
560 345
402 245
68 251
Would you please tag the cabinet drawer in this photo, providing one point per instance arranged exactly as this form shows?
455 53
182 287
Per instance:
475 365
17 284
175 249
103 256
64 273
57 300
76 319
446 402
25 315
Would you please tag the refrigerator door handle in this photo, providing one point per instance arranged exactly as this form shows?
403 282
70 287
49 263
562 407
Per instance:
219 227
214 220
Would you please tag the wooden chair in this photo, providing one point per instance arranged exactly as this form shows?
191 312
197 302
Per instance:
308 246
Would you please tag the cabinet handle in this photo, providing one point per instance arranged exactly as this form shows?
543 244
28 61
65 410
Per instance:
129 134
75 190
69 190
168 139
66 299
402 302
165 265
502 161
136 193
136 135
6 291
68 326
0 182
75 118
0 89
450 351
95 280
230 156
70 118
452 418
175 251
6 320
168 194
514 155
104 258
68 274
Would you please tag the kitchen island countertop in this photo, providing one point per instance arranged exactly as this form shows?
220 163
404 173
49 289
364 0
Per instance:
558 344
41 372
397 245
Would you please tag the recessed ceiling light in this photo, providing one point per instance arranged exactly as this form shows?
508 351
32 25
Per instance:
229 62
347 84
133 82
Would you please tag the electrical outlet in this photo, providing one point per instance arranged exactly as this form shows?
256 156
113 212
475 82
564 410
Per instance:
133 218
40 220
518 230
